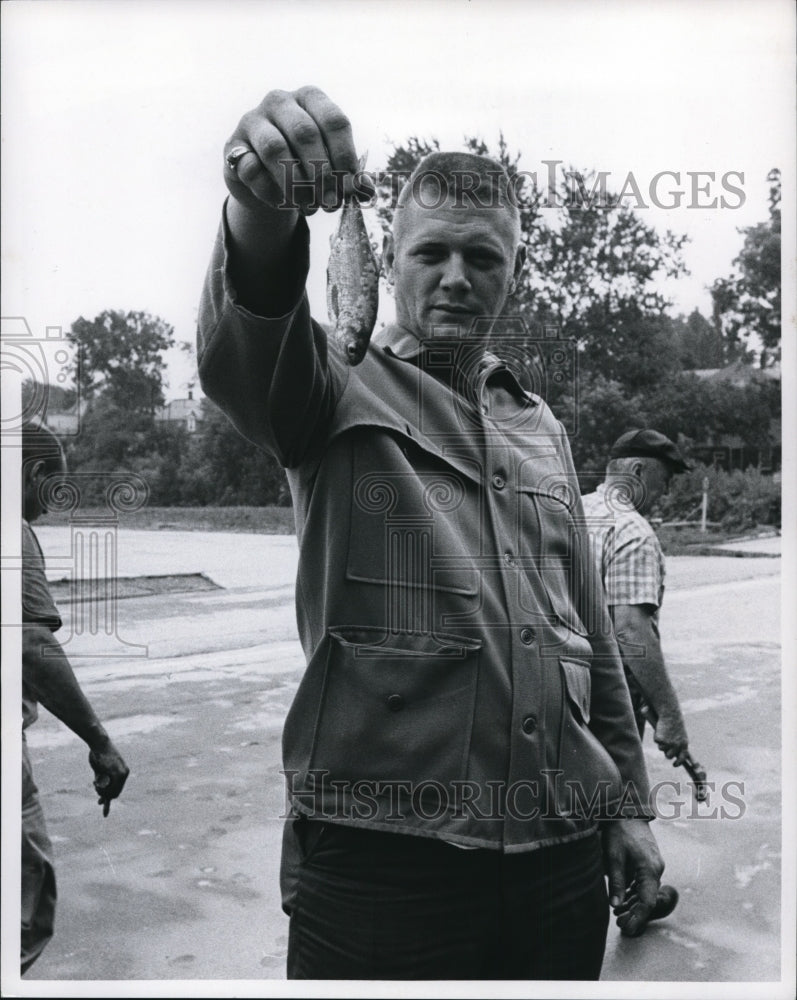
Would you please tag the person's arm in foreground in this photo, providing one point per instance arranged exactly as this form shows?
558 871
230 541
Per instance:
49 675
302 148
640 648
260 357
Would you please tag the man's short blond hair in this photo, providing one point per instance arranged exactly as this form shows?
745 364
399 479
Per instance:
469 180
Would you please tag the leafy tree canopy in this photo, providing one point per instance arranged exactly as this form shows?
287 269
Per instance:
747 302
120 355
221 467
700 343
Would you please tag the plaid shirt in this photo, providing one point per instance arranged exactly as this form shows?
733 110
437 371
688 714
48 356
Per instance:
626 549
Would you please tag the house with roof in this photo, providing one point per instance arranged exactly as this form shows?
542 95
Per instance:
64 421
185 412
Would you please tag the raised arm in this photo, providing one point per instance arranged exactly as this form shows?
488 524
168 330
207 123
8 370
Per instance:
291 155
261 358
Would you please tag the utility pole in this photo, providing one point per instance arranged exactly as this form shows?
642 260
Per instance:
704 511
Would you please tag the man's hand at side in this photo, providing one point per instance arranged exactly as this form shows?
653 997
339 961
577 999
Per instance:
634 868
671 739
110 773
48 673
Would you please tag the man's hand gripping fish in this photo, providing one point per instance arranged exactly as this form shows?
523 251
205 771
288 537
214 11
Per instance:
352 282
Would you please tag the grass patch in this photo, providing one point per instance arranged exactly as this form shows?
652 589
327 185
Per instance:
691 541
252 520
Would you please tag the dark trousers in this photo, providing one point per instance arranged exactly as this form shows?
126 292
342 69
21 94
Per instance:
372 905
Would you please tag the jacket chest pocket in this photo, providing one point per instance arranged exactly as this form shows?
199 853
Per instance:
396 707
551 546
415 521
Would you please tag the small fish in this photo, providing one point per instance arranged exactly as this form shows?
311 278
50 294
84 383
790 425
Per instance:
352 282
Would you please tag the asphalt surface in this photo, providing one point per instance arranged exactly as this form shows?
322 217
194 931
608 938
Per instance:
180 882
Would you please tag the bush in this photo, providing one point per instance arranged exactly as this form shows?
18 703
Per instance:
737 501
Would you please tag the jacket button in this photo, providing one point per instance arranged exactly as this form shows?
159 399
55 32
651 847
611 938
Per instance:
509 559
529 724
499 481
395 703
527 636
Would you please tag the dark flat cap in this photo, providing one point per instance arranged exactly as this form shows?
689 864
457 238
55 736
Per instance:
649 444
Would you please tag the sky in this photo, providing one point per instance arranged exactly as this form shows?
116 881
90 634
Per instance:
115 116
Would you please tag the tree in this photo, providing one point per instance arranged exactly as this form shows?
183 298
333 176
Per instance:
604 412
111 439
596 262
222 467
747 303
120 356
686 408
700 343
56 397
119 369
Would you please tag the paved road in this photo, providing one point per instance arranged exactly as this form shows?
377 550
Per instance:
180 881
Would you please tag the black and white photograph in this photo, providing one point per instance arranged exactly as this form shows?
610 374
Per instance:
398 498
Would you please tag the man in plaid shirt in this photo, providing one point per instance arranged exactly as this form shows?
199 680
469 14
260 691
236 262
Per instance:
631 564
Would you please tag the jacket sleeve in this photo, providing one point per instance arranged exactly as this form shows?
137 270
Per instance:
273 376
611 713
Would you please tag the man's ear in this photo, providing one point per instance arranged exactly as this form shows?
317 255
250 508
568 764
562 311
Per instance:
637 468
520 263
34 471
517 270
388 256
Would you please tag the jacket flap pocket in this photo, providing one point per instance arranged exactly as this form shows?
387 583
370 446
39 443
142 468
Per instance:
544 475
578 683
415 519
398 709
556 493
552 551
374 641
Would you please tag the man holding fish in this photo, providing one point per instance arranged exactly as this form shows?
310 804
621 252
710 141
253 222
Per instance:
461 757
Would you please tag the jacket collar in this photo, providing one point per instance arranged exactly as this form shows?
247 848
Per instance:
399 342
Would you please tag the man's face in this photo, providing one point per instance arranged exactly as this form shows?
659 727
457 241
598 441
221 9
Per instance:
655 477
450 266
